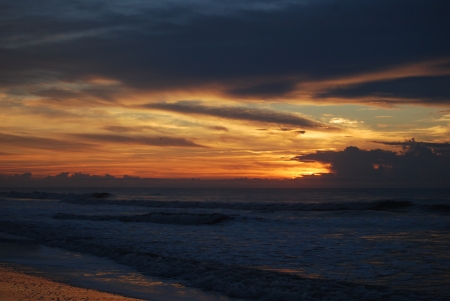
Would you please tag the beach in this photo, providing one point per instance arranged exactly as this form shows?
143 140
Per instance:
35 272
17 286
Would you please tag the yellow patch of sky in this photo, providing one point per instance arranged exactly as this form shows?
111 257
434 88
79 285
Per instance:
243 150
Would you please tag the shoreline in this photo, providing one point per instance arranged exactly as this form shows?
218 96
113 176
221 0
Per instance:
38 272
15 286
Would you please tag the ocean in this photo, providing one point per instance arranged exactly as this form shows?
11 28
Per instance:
256 244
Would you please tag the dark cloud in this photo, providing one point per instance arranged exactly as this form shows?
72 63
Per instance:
155 141
418 162
432 89
436 147
218 128
241 113
177 44
265 90
8 140
55 93
94 93
126 129
119 129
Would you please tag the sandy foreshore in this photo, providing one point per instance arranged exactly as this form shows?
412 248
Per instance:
16 286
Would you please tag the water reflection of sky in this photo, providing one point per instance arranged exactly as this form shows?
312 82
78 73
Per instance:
97 273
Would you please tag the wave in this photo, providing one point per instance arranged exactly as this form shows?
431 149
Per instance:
442 208
35 195
40 195
154 217
381 205
231 280
105 198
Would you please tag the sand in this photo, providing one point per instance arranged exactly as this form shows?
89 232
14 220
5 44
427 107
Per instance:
15 286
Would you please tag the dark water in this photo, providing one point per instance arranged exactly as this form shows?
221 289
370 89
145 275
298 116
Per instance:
234 241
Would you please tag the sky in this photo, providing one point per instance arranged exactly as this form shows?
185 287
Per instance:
225 89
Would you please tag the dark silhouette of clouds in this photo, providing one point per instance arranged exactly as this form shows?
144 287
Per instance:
34 142
431 89
119 129
126 129
265 90
94 93
418 162
241 113
218 128
436 147
155 141
180 44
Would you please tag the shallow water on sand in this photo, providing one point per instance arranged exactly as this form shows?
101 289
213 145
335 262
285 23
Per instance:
102 274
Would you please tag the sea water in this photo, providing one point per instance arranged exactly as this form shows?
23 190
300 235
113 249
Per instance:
263 244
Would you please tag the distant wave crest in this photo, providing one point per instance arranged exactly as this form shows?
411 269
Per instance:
154 217
40 195
382 205
105 198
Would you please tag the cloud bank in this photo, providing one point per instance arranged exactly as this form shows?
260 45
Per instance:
420 162
254 49
154 141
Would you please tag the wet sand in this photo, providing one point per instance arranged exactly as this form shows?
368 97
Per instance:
16 286
72 271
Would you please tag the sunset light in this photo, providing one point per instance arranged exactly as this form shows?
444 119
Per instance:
104 96
223 150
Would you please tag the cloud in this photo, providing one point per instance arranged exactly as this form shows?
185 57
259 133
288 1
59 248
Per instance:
411 144
429 89
33 142
126 129
344 121
154 46
119 129
88 91
241 113
265 90
418 162
218 128
154 141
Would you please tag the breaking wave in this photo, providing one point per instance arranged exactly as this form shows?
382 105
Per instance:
231 280
105 198
443 208
154 217
383 205
40 195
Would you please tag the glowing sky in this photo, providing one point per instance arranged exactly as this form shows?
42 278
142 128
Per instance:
217 89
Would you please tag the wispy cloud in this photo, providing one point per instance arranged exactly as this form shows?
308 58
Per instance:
218 128
423 90
154 141
34 142
436 146
242 114
126 129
